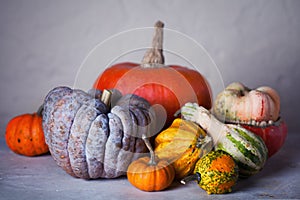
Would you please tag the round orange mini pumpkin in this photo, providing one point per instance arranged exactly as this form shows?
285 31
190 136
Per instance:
150 174
24 135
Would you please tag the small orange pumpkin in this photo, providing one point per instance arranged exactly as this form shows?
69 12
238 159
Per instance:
149 173
24 135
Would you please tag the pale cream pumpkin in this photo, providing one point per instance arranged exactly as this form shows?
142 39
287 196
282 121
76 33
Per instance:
238 103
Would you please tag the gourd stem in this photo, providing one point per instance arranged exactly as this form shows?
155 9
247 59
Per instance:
105 97
39 112
152 154
193 177
155 54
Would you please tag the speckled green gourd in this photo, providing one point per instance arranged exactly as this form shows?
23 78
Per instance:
218 171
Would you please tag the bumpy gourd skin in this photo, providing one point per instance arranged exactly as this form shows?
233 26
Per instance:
87 139
218 171
60 107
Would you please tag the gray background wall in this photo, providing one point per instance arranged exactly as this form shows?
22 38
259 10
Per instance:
43 43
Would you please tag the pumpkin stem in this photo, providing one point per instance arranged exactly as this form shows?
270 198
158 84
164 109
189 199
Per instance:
105 97
152 154
39 112
155 54
193 177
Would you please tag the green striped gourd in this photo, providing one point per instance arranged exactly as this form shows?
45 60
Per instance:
248 149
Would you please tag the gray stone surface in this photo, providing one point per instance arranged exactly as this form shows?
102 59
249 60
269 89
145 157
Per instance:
40 178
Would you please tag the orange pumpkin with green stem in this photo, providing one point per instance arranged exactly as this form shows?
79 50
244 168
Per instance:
149 173
24 134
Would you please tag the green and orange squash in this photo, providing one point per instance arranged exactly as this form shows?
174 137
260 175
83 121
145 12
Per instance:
247 148
216 173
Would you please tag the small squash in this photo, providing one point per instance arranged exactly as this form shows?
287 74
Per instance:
149 173
257 110
247 148
216 173
237 103
24 135
182 144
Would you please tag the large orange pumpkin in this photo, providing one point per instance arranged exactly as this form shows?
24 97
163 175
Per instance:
24 135
170 86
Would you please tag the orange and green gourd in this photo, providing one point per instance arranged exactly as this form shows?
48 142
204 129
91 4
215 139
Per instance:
216 173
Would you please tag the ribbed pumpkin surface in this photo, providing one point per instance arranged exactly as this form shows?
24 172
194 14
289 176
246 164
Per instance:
182 144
